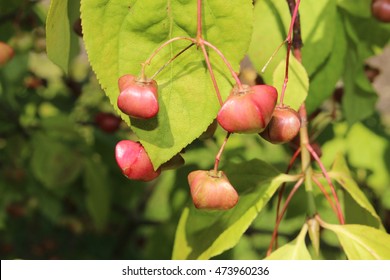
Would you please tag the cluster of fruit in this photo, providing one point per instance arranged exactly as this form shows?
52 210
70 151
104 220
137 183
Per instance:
248 109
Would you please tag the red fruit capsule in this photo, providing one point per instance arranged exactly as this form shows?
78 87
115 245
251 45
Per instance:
137 98
134 161
248 110
212 191
283 127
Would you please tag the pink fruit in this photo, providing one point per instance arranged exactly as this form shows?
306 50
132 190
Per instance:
138 98
283 127
248 110
134 161
212 191
6 53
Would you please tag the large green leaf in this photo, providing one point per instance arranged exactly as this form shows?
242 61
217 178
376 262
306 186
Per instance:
360 8
121 34
324 79
272 20
362 242
295 250
374 157
298 83
204 234
98 191
61 41
341 174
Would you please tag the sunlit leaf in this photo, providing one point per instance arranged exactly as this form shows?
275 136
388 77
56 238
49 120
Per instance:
298 83
362 242
294 250
204 234
341 174
130 31
61 41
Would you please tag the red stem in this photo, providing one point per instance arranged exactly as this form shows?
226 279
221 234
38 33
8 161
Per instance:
149 60
332 188
322 188
218 156
282 188
289 43
199 20
206 57
280 217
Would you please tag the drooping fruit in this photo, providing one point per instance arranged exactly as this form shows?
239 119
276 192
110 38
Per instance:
380 9
211 190
134 161
138 98
283 127
6 53
107 122
248 110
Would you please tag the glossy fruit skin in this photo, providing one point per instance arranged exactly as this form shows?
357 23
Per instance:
6 53
134 162
283 127
138 98
380 9
211 191
107 122
249 110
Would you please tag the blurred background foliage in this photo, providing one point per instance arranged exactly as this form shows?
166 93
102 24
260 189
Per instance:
63 197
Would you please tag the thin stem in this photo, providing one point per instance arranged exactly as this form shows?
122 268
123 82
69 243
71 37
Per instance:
199 20
332 188
322 188
283 187
206 57
218 156
272 56
149 60
306 160
229 66
280 217
289 44
172 59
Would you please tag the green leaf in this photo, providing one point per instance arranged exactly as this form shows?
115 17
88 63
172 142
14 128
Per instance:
362 242
54 163
341 174
295 250
373 157
324 79
358 102
271 23
61 41
158 207
97 185
205 234
130 31
360 8
298 83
